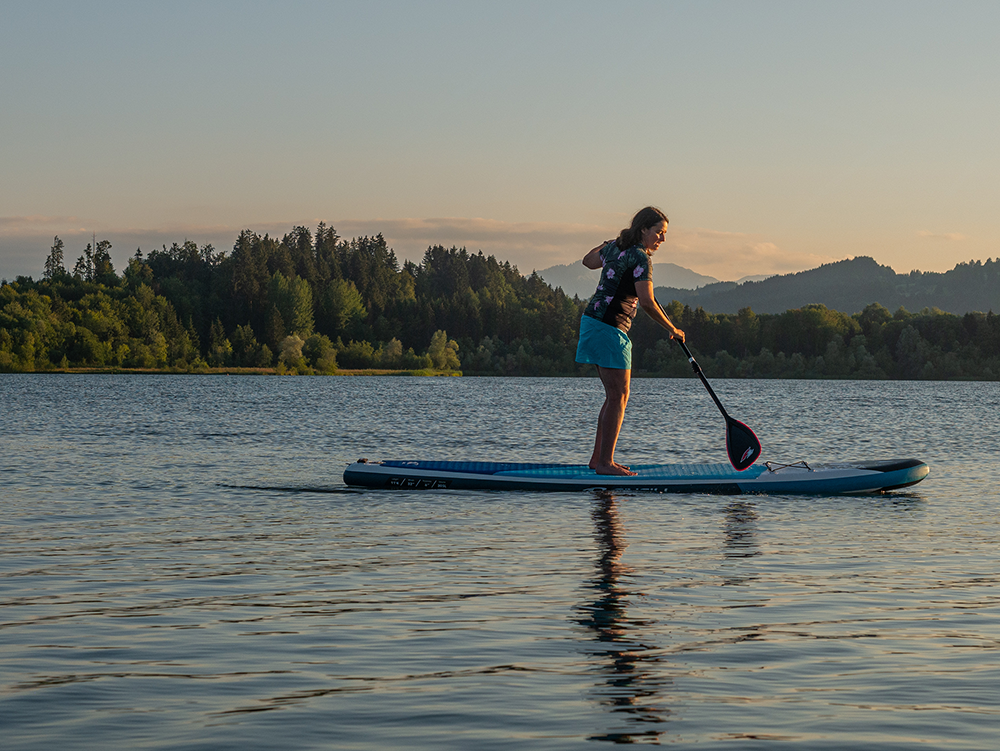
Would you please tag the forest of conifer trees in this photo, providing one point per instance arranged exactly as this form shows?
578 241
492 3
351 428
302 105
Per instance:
313 302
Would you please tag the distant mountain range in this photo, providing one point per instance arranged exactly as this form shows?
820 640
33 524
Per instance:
849 286
577 279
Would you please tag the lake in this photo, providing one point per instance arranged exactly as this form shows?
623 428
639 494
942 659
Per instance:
182 567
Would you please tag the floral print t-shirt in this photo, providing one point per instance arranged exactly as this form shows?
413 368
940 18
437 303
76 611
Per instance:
616 302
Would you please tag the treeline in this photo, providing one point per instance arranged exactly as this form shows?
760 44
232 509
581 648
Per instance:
816 342
308 302
313 302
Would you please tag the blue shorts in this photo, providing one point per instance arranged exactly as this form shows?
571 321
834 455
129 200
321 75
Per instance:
603 344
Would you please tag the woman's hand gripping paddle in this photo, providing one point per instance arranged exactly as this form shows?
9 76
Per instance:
741 443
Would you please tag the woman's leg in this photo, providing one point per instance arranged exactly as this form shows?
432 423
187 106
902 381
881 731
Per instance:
609 423
595 458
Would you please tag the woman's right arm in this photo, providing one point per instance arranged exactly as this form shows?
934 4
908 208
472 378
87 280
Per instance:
593 259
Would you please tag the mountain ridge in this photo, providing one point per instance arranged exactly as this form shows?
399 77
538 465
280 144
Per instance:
851 285
576 279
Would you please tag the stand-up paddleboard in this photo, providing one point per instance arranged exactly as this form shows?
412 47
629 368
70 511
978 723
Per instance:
769 477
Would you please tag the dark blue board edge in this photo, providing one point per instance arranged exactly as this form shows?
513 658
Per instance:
897 473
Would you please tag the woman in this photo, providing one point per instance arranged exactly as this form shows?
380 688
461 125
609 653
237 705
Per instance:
625 280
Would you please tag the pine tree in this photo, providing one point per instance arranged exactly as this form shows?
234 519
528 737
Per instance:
54 263
104 270
84 268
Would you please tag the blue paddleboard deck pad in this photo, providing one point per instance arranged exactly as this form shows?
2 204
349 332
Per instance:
799 478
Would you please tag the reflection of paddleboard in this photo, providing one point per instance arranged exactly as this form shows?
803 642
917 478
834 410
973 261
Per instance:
769 477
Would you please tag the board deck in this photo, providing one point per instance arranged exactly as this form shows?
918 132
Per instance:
768 477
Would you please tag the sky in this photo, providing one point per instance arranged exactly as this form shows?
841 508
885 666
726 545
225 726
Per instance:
777 136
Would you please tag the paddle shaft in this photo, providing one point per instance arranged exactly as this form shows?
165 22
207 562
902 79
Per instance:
741 442
697 369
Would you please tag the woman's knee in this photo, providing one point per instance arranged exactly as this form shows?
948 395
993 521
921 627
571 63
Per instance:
617 384
618 394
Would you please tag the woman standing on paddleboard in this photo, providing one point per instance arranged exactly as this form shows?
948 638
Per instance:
626 280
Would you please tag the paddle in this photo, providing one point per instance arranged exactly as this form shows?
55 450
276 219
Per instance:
741 443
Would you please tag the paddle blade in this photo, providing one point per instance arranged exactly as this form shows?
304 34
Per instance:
742 445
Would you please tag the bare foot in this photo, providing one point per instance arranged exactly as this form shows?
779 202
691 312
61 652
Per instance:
594 465
614 469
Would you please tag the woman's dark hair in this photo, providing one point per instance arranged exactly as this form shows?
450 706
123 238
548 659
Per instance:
645 219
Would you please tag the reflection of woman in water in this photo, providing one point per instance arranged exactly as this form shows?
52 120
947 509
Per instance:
635 678
630 686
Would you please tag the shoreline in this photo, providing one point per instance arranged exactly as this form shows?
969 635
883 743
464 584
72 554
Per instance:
348 372
239 372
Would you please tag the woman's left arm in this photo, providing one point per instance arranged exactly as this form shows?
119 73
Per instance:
593 259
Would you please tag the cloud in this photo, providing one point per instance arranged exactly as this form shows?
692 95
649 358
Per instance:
47 227
539 245
28 225
947 236
527 245
733 255
25 242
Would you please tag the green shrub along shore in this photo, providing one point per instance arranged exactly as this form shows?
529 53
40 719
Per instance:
314 303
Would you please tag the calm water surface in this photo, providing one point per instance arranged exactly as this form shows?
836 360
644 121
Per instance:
181 566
